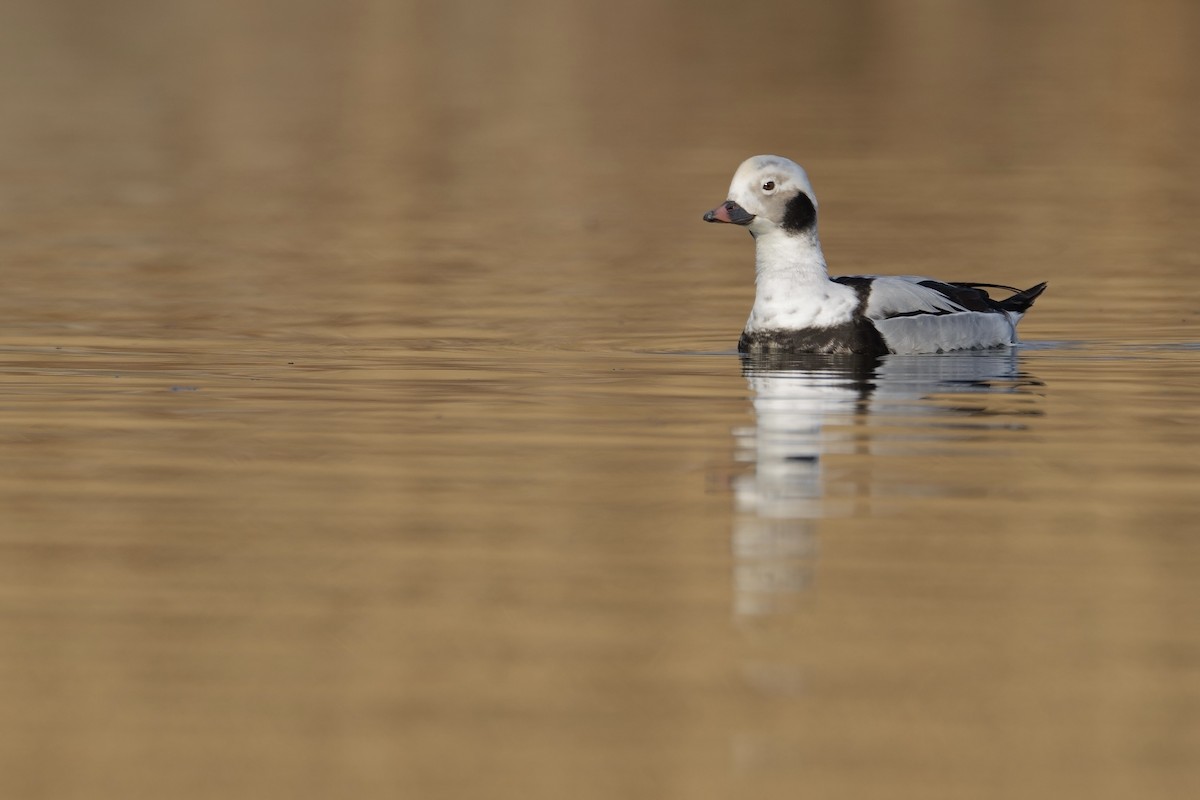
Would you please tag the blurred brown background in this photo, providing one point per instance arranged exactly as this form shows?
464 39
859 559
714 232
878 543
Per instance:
340 458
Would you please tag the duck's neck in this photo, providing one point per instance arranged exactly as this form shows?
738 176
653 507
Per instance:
792 286
794 259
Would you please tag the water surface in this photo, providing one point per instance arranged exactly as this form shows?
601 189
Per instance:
371 426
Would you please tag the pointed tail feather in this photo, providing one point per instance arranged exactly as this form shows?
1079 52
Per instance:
1021 301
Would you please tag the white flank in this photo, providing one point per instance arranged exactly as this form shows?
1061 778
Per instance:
967 330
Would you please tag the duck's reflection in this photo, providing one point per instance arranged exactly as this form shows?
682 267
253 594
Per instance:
810 407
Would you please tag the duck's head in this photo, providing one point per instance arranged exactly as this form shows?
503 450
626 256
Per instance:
769 193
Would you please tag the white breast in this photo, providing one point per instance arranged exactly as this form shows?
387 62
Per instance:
794 302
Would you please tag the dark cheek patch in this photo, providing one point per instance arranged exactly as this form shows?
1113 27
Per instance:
799 214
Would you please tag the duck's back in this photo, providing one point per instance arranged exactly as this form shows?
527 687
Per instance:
923 315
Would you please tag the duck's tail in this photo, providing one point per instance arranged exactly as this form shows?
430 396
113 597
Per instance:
1020 302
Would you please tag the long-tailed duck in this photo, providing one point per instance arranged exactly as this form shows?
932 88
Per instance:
798 308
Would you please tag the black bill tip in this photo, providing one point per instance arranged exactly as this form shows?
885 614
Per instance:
730 212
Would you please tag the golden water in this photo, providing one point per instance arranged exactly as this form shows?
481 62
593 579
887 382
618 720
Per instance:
371 428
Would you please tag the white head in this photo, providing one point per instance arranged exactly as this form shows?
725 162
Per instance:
769 193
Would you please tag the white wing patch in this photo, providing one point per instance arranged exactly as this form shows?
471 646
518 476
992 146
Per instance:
904 295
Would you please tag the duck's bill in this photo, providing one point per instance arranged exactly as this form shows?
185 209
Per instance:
730 212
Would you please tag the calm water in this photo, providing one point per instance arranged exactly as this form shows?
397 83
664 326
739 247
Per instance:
371 426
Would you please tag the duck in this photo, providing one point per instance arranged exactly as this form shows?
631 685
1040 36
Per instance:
799 308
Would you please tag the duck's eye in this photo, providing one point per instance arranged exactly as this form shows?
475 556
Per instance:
769 186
